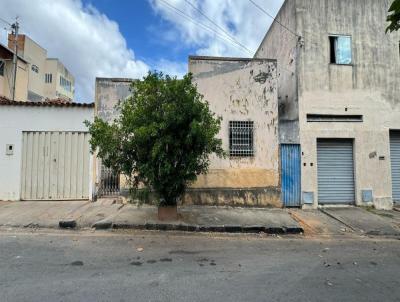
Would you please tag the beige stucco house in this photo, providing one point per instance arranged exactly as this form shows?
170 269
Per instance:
244 93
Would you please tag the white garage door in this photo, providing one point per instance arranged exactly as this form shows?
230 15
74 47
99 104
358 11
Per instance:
335 171
55 165
395 161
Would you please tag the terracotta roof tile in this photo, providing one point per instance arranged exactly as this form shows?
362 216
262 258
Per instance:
48 103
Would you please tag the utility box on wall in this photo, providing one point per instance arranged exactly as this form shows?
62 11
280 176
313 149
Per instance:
9 149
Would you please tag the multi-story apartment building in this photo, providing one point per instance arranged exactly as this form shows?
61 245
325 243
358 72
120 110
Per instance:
48 78
59 82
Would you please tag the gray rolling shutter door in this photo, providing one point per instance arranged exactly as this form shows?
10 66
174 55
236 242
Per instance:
395 162
335 171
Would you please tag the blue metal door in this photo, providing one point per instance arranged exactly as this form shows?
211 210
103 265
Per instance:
291 175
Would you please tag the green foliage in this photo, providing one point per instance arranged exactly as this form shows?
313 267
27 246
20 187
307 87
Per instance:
163 137
394 17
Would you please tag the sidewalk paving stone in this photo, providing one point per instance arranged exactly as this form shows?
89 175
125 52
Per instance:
362 221
315 222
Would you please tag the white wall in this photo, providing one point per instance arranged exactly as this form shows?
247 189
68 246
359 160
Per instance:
16 119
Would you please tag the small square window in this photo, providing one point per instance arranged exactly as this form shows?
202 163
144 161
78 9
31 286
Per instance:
241 138
340 50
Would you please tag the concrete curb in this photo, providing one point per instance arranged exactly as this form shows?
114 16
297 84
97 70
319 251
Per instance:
209 229
70 220
67 224
102 224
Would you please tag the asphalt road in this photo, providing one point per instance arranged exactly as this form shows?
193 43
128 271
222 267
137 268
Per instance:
104 266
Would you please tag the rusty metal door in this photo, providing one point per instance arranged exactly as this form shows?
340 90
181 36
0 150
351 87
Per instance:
109 182
55 165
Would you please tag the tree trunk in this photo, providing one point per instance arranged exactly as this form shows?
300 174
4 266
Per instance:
166 213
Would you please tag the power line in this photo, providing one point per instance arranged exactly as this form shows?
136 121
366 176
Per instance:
190 19
218 26
277 21
5 21
206 27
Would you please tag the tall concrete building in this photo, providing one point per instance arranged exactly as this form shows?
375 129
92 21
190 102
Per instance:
339 102
48 78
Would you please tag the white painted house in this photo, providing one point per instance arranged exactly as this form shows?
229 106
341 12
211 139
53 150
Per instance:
44 152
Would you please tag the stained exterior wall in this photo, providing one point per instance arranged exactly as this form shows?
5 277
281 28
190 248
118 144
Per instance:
240 90
369 87
109 91
281 44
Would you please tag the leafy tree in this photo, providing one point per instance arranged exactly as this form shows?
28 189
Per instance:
394 17
162 138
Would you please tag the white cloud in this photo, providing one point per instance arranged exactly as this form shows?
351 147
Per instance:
90 44
240 18
172 68
86 41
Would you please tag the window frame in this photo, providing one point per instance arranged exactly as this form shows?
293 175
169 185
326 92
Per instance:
48 78
241 133
65 84
332 50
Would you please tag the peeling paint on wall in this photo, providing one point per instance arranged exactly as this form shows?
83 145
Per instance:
240 90
109 91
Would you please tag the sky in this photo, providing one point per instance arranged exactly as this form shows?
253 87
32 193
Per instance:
128 38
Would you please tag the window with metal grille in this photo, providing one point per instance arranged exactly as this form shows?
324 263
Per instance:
241 138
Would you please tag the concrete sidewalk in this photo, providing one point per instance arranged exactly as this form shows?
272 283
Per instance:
367 221
108 214
49 214
207 219
46 214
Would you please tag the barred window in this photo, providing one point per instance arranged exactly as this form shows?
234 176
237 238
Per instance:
241 138
48 78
